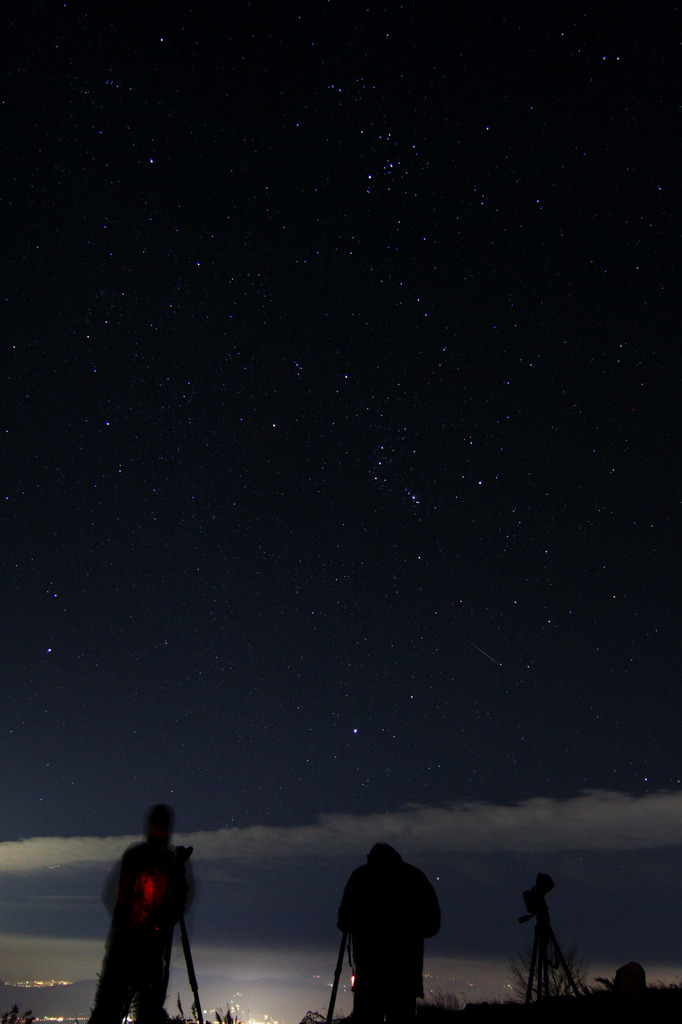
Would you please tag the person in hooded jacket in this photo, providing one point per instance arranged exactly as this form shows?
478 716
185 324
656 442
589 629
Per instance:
146 894
389 908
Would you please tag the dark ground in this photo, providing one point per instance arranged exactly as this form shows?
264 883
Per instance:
658 1004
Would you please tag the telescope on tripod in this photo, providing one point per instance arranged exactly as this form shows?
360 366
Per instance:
546 951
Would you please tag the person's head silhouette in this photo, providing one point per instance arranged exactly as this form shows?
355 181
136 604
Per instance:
384 857
158 825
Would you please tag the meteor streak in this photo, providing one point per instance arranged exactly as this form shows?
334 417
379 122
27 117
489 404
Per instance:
481 651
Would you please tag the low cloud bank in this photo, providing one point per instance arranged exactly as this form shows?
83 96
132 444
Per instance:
593 820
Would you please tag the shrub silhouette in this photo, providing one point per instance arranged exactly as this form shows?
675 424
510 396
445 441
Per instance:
14 1017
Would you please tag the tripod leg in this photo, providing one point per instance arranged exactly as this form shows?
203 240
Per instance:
168 949
531 971
538 967
337 975
564 965
190 969
543 990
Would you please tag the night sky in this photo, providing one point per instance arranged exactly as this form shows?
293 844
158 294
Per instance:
340 417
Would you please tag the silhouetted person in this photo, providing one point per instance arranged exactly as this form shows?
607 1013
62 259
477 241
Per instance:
146 895
389 908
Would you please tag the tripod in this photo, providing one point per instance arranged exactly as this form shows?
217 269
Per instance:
182 855
545 942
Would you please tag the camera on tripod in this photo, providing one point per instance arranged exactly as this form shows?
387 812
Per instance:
546 952
535 898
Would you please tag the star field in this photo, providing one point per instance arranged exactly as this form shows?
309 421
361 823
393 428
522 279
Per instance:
340 409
